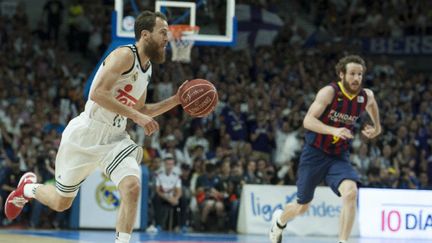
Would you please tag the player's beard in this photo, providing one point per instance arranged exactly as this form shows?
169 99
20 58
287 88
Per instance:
348 88
155 52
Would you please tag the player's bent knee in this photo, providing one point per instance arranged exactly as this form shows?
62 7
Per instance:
62 203
350 194
349 191
301 208
130 187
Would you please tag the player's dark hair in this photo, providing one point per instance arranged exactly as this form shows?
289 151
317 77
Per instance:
342 63
146 21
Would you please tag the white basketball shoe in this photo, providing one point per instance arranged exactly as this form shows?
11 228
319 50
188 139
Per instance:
275 233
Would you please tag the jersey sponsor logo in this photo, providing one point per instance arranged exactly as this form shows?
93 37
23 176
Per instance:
342 117
124 97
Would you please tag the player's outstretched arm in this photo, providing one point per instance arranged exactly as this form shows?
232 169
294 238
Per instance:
311 121
119 61
158 108
373 111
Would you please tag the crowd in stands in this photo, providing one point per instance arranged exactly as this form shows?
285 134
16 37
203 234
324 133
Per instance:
255 135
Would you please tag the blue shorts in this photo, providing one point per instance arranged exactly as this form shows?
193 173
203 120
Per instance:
316 166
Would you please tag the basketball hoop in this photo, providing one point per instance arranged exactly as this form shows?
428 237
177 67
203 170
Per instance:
181 41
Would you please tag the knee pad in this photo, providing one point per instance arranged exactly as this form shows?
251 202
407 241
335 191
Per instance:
128 167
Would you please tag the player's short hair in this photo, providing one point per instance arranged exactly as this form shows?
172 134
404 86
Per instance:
342 63
146 21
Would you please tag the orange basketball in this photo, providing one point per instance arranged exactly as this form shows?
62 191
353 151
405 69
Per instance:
198 97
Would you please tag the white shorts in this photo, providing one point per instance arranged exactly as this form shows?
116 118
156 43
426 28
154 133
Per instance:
87 144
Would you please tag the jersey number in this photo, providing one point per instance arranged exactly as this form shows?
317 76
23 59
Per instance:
117 120
335 139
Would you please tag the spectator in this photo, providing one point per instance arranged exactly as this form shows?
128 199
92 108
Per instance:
407 179
169 147
250 176
194 140
261 168
424 182
374 178
209 197
149 153
54 124
287 143
79 28
361 162
168 193
231 200
385 159
53 18
261 136
235 123
270 177
185 200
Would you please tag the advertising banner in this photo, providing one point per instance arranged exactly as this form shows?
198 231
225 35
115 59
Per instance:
259 201
407 45
393 213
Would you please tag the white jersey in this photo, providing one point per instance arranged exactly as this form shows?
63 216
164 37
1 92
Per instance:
128 89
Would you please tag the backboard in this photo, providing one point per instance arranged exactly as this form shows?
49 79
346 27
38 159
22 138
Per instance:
216 18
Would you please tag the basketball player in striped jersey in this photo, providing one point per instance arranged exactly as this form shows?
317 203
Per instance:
325 157
97 137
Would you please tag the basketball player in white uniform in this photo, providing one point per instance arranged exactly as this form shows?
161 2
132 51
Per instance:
97 137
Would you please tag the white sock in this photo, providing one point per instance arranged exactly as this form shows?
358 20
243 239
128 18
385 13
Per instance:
30 190
343 241
122 237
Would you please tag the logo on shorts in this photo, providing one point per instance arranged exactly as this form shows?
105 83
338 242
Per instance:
124 97
107 195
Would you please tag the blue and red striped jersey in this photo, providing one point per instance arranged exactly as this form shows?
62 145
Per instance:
343 111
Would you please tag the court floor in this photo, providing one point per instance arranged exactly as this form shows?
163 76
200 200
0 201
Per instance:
49 236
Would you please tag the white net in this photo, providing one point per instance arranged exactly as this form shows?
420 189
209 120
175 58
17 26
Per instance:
181 42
